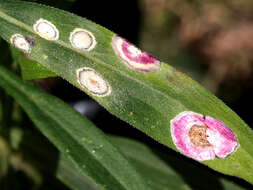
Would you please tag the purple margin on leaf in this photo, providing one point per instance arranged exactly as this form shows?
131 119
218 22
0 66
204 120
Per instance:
134 57
218 141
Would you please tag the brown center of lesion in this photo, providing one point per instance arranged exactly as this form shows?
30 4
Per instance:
198 136
94 82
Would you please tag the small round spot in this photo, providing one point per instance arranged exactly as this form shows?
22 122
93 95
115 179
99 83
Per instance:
46 29
82 39
134 57
21 43
93 81
202 138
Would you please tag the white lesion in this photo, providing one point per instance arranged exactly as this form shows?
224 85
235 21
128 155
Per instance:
46 29
91 80
134 51
82 39
20 42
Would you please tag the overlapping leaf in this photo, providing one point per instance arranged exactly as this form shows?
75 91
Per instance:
78 140
30 69
158 169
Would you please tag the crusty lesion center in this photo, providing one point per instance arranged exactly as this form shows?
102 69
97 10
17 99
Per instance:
198 136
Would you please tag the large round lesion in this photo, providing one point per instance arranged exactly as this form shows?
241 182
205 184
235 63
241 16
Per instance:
198 136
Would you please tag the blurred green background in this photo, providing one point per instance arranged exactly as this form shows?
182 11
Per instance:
211 40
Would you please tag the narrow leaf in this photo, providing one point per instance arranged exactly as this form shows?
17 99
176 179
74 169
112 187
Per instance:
148 96
160 170
164 171
77 138
54 166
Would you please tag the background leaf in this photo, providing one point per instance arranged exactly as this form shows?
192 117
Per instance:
160 170
78 140
69 175
163 171
147 101
30 69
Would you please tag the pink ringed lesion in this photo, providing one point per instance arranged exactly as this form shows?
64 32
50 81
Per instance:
202 137
133 57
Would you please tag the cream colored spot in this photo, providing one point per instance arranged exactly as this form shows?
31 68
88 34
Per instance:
93 81
20 42
46 29
82 39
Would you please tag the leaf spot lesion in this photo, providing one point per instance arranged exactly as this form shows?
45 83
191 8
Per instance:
93 81
82 39
46 29
20 42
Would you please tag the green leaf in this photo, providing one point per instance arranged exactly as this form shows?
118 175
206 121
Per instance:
165 171
77 138
157 173
147 101
159 169
30 69
70 176
55 165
